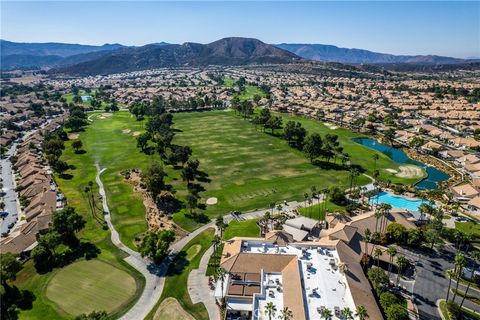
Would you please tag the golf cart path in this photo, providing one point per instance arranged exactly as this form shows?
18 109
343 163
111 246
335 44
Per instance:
154 274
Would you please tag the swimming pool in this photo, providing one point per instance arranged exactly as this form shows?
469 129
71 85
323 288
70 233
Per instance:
398 202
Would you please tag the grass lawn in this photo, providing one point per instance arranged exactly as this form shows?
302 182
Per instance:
85 286
315 211
465 312
470 228
249 92
176 281
248 169
246 228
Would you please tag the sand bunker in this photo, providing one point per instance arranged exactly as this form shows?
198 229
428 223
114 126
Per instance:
392 170
211 201
331 126
106 115
127 131
136 133
171 309
410 172
73 136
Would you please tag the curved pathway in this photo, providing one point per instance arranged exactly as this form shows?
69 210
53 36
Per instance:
154 274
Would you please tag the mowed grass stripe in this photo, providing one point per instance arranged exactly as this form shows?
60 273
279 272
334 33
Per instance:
85 286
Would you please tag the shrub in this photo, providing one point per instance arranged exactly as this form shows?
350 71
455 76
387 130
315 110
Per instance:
396 312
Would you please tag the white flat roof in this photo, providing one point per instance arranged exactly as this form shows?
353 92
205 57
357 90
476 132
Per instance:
324 285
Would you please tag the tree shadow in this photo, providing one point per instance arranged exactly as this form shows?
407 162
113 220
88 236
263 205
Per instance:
66 176
81 151
179 264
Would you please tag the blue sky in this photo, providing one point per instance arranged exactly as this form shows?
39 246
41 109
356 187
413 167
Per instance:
407 27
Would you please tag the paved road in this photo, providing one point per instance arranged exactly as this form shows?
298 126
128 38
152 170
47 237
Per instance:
154 275
10 197
199 289
431 283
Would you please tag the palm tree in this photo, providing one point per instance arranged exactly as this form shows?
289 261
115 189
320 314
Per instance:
378 215
305 195
270 309
402 262
325 313
367 238
220 275
450 274
385 209
392 252
377 253
460 263
475 258
347 314
216 241
362 313
221 225
286 314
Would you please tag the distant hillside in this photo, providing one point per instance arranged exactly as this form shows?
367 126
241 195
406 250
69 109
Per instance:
227 51
329 53
40 55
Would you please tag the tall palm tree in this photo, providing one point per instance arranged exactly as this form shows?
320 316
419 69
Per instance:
450 274
216 241
367 238
475 258
220 275
378 215
392 252
347 314
385 213
270 309
402 262
362 313
326 314
460 263
286 314
377 253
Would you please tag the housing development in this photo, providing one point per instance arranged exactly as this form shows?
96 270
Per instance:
238 179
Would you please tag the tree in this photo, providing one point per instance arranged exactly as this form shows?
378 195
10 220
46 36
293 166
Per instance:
387 299
313 146
475 258
433 237
375 159
379 279
274 123
66 223
142 141
392 252
154 179
347 314
77 145
326 313
155 245
377 253
192 201
396 232
295 134
9 267
361 312
270 309
190 170
390 135
220 274
402 263
286 314
396 312
460 263
414 237
450 274
221 225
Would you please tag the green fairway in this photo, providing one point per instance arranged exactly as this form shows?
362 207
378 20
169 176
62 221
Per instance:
246 228
316 211
176 281
86 286
470 228
248 169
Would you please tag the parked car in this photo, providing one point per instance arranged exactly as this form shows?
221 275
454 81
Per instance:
10 225
3 214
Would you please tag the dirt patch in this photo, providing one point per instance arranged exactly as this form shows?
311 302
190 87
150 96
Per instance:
137 133
73 136
156 219
171 309
126 131
211 201
410 172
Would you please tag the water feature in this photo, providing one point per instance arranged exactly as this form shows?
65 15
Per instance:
398 201
434 176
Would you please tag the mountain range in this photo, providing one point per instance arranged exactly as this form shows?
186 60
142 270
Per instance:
79 59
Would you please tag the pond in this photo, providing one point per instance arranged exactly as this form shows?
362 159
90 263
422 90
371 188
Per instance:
434 176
